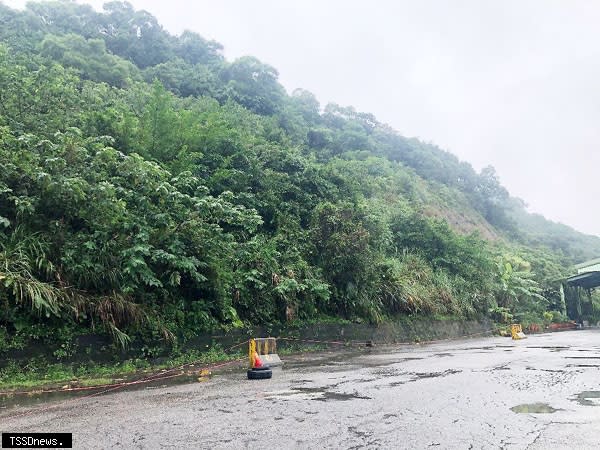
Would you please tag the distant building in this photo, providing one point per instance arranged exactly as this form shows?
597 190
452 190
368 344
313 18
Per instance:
588 275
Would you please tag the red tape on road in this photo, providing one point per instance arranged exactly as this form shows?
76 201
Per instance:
110 388
170 373
154 377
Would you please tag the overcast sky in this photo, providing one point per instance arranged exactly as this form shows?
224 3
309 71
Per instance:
511 83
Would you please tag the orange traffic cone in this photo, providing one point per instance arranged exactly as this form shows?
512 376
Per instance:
257 361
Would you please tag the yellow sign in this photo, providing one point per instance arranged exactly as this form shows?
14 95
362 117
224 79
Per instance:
516 331
265 349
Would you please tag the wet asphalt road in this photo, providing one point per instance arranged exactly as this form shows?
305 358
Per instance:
455 395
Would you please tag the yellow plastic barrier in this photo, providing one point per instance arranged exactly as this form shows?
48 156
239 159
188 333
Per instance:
265 349
516 331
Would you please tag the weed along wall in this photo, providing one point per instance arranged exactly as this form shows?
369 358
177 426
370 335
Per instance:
395 332
92 349
408 330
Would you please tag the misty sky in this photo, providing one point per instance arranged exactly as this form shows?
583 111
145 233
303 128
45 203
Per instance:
511 83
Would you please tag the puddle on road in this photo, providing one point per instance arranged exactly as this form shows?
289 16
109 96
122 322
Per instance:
341 396
416 376
545 370
35 398
582 357
552 349
445 373
588 398
316 393
321 394
342 360
359 381
381 362
534 408
485 349
329 360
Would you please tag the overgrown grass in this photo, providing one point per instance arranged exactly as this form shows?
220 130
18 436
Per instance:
39 373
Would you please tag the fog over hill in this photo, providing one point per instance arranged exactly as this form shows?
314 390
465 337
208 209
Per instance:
511 84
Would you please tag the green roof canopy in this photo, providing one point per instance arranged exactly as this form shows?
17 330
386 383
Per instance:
586 280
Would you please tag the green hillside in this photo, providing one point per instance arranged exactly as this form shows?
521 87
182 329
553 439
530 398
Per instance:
152 190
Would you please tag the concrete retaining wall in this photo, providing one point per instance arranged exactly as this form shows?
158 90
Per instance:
93 348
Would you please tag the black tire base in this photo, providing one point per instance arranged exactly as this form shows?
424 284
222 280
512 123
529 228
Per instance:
260 374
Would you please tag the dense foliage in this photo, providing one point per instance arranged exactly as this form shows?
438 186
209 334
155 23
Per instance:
152 189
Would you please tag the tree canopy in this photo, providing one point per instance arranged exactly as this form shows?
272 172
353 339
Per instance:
153 190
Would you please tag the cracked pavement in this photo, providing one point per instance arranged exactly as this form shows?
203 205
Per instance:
449 395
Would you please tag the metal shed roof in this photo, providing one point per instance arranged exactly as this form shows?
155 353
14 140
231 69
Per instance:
586 280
